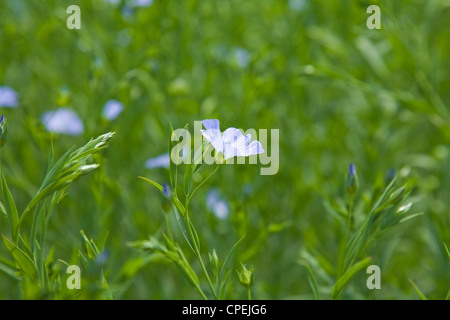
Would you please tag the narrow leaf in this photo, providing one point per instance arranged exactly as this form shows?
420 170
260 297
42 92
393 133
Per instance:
312 280
179 206
9 270
345 278
13 216
418 291
157 185
23 261
224 266
448 251
411 216
184 229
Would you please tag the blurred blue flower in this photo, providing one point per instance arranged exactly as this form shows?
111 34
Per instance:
391 174
296 5
217 205
112 109
166 190
242 57
351 169
161 161
64 121
8 97
102 257
141 3
232 143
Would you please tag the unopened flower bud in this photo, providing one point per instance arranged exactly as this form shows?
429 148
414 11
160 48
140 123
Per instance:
166 201
3 131
352 182
88 168
390 176
246 277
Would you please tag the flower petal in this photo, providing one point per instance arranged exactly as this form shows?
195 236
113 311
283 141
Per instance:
112 109
211 124
233 136
161 161
8 97
214 137
233 142
254 148
217 205
64 121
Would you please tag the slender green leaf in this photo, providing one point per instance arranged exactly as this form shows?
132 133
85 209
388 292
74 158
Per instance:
179 206
8 269
13 216
194 235
345 278
201 183
3 209
418 291
157 185
168 242
91 248
448 251
312 280
24 262
224 266
411 216
184 229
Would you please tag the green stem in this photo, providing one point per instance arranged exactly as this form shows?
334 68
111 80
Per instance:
189 197
197 252
169 230
249 294
201 293
349 220
211 286
341 268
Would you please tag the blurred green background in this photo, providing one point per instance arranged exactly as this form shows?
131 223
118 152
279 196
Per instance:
337 91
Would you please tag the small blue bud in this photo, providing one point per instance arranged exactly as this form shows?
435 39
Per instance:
391 175
102 257
3 131
351 169
166 201
352 182
166 190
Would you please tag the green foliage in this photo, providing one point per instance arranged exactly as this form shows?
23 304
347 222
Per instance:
27 252
337 91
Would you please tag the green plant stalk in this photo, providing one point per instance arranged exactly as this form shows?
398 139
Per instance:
349 260
198 254
249 294
345 243
191 234
200 291
211 286
189 196
169 230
